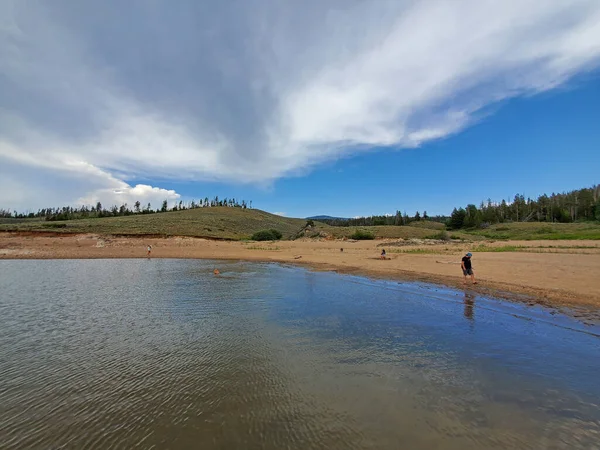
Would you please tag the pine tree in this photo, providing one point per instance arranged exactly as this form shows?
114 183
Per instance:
457 219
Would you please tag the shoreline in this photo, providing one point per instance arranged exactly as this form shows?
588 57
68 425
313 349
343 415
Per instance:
557 274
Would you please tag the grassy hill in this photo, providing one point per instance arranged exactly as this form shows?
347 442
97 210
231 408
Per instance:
11 221
385 232
505 231
238 223
218 222
540 230
428 224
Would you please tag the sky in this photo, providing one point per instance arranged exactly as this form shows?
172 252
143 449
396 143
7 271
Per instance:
339 107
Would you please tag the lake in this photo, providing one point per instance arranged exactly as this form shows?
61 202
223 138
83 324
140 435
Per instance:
103 354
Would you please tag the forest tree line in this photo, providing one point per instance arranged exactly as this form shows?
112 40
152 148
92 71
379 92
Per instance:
98 210
573 206
396 219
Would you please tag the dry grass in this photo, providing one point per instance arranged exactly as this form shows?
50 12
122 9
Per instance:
419 251
215 223
385 232
579 249
428 224
490 247
13 221
238 224
266 249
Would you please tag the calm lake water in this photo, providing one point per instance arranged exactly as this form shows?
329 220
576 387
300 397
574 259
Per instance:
102 354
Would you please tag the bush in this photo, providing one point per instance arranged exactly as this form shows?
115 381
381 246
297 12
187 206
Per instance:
362 236
267 235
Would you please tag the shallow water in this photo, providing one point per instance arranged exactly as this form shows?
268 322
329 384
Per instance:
102 354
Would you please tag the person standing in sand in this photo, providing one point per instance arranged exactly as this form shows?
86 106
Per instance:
149 250
467 268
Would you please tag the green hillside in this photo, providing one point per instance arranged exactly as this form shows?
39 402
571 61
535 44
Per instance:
238 223
383 232
216 222
539 230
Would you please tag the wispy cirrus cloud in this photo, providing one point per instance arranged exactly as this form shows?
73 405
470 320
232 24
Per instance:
99 93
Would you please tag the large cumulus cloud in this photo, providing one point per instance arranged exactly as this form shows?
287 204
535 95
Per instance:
94 94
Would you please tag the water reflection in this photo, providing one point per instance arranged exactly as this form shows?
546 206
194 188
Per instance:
469 302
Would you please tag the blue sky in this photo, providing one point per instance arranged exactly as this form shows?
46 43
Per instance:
535 145
433 104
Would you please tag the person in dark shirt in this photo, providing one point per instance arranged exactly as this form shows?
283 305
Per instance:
467 268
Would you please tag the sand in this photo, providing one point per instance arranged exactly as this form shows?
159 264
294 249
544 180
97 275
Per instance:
554 273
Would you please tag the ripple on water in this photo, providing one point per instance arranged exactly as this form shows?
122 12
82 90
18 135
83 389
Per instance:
161 353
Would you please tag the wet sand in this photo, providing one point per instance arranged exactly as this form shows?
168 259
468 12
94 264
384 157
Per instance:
554 273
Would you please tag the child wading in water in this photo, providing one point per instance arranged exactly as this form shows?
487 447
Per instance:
467 268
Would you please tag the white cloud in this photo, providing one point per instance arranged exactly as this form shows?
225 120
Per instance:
129 195
194 90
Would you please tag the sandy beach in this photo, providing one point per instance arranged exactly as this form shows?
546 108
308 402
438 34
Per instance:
556 273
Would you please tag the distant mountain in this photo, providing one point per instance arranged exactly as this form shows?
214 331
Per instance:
326 218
